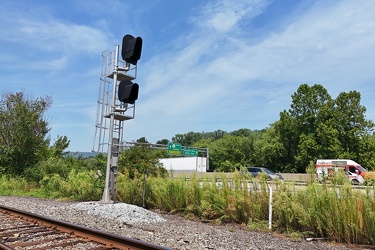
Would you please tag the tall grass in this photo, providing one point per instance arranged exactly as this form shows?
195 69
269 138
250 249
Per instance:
13 186
129 190
216 199
337 212
84 185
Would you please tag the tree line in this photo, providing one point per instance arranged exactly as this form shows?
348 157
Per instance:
316 126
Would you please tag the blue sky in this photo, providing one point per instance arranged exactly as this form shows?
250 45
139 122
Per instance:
205 65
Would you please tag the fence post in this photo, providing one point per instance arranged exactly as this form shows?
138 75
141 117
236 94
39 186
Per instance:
270 209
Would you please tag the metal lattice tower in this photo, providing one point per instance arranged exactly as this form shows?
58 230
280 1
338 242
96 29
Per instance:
111 114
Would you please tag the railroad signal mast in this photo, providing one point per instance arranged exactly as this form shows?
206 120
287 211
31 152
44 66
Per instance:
116 104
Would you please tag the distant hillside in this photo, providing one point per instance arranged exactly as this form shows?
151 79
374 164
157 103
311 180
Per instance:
83 154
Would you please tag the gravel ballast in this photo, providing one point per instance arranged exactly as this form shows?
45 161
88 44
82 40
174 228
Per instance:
162 229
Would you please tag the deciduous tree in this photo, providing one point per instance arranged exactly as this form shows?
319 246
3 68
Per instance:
316 126
140 160
23 131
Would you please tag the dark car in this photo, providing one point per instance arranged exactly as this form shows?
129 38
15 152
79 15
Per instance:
255 171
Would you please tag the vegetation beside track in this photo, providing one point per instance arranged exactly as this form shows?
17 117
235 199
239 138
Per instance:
315 127
332 211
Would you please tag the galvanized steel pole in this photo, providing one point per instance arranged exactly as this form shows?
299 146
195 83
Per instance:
106 194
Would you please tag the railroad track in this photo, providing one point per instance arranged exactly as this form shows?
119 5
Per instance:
24 230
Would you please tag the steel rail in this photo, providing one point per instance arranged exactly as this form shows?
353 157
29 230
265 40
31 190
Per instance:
102 237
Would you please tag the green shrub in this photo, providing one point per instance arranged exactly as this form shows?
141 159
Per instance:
129 190
48 168
171 196
13 186
52 186
85 185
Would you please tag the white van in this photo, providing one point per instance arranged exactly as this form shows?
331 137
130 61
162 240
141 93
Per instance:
326 169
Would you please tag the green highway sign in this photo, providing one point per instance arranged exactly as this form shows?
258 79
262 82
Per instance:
174 148
190 152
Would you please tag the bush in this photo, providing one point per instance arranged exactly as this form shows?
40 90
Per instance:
84 185
48 168
13 186
52 186
129 190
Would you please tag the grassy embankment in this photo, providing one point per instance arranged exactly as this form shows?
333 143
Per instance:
336 212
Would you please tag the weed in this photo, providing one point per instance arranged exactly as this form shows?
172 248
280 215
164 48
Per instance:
337 212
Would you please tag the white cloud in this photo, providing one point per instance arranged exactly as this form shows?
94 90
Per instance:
47 43
180 75
223 72
328 44
313 45
224 16
55 35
